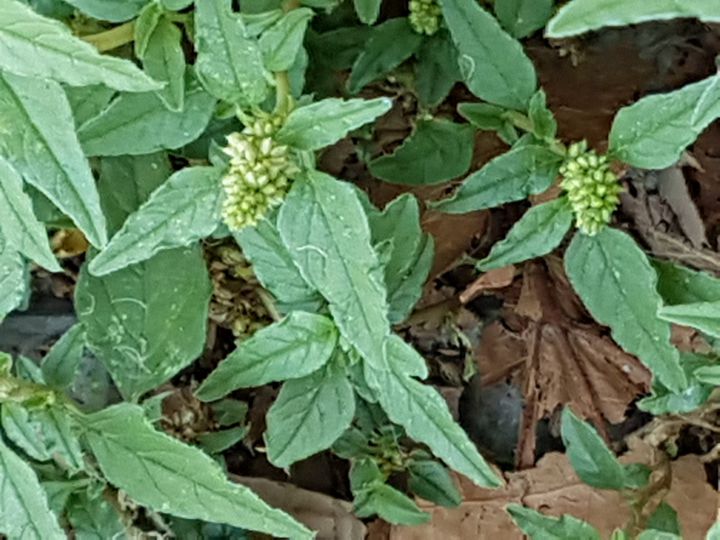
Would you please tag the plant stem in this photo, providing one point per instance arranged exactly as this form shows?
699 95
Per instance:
113 38
283 98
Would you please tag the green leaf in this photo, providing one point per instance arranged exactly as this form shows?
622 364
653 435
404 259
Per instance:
176 5
680 285
390 44
228 63
411 254
436 69
93 517
228 412
437 151
664 401
257 23
24 511
615 281
180 212
540 527
490 118
273 265
87 102
425 416
13 283
338 49
592 460
109 10
62 361
581 16
164 60
653 132
431 481
219 441
512 176
308 416
709 375
390 504
296 346
714 532
325 122
544 125
704 316
147 321
18 223
43 148
281 43
325 229
658 535
35 46
168 476
367 10
493 64
144 27
523 17
664 518
43 434
537 233
141 124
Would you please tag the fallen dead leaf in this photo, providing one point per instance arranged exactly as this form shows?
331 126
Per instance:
498 278
553 488
549 348
331 518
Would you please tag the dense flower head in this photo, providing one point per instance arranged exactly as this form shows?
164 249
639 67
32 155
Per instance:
425 16
592 188
259 174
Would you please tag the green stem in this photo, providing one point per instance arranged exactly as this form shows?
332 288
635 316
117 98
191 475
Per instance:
113 38
283 98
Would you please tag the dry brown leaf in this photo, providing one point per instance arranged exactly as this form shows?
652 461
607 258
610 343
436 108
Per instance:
331 518
498 278
553 488
558 357
674 190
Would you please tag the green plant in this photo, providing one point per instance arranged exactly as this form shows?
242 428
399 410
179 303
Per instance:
206 123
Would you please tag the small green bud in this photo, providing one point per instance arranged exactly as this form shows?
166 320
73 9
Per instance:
258 177
592 188
425 16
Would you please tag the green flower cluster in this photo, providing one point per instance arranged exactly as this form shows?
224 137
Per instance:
592 188
260 172
425 16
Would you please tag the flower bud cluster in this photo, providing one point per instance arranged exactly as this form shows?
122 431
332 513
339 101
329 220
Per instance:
592 188
260 172
425 16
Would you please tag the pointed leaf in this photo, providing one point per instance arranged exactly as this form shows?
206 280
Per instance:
592 460
325 122
367 10
308 416
281 43
34 46
60 364
295 347
141 123
493 64
431 481
390 44
437 151
704 316
540 527
168 476
436 70
616 283
537 233
523 17
653 132
164 60
581 16
39 141
180 212
523 171
273 265
13 281
325 229
24 511
680 285
109 10
18 223
229 64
